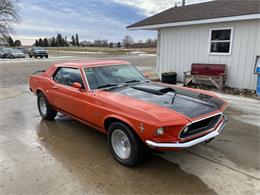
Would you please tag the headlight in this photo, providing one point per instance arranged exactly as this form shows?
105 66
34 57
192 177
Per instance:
159 131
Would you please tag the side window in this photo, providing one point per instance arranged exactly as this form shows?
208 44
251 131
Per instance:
68 76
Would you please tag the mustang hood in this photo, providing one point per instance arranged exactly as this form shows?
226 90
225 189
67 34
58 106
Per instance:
187 102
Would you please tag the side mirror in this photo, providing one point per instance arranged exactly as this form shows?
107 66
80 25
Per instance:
146 74
77 85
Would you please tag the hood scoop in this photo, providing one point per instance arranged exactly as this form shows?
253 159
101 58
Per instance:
155 91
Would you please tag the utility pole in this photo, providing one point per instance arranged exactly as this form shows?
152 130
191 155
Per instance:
183 2
58 44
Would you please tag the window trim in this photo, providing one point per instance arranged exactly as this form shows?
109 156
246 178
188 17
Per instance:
85 78
56 71
231 41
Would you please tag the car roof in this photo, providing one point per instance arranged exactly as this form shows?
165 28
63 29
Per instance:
90 63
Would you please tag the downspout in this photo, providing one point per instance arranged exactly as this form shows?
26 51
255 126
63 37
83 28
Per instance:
158 58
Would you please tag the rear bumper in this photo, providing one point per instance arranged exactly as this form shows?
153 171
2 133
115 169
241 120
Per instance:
204 138
41 54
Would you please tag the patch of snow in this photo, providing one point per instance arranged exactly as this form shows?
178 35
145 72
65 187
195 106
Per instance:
238 98
249 106
136 53
140 53
147 54
84 52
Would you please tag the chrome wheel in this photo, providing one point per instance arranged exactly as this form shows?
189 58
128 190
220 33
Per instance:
121 144
42 106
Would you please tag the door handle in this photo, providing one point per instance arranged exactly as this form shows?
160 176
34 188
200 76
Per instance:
54 87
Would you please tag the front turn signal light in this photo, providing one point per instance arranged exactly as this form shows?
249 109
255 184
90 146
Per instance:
159 131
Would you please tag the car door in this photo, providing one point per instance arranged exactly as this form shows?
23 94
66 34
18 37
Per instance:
66 97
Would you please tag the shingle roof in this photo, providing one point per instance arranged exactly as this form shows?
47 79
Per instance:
202 11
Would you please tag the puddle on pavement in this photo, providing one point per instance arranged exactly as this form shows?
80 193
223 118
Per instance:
84 152
234 112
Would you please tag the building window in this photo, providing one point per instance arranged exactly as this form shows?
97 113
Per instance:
221 41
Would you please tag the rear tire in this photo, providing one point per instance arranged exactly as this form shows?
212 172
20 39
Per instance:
45 109
125 146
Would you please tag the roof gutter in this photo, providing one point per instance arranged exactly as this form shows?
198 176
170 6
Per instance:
194 22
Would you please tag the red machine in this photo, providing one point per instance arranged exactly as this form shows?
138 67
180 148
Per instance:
135 113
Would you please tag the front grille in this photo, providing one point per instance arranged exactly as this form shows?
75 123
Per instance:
200 126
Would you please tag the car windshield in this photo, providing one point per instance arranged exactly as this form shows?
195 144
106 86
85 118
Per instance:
112 75
38 49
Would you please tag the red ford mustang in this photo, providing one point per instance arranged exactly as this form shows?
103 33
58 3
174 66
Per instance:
135 113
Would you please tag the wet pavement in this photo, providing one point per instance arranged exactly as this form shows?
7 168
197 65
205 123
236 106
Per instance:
67 157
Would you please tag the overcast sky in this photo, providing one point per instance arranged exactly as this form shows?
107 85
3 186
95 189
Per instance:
91 19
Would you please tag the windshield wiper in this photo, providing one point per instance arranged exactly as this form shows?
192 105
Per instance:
136 81
133 81
108 85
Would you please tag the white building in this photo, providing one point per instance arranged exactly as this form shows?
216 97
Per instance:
216 32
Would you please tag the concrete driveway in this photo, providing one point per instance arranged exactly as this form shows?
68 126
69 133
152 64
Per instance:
66 157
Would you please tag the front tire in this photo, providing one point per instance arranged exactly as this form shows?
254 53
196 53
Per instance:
125 146
45 109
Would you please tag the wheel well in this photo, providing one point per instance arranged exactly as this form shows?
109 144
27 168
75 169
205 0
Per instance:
38 91
111 120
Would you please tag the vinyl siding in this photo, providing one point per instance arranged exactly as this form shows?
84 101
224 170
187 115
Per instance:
179 47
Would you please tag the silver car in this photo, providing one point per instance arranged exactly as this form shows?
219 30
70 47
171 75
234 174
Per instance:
13 53
1 53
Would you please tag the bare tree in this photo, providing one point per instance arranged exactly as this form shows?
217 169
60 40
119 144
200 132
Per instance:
8 16
128 41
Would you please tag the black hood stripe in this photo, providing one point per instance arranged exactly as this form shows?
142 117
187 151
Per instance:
189 103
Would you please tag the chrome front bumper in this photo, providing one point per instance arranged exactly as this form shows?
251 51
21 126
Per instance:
192 142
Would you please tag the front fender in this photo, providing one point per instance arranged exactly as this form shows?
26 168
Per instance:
131 123
123 119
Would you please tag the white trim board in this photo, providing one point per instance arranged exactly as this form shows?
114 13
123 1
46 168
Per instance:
206 21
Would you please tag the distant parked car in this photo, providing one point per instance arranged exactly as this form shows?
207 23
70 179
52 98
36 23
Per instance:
38 52
6 52
15 53
24 50
12 53
1 53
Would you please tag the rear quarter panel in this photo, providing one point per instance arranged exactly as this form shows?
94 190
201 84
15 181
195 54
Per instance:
42 82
